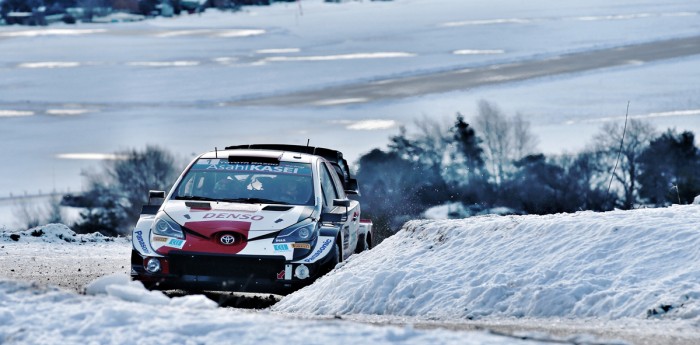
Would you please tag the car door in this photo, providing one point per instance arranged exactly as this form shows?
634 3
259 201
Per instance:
332 189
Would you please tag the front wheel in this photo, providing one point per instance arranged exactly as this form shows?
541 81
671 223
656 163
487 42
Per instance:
334 261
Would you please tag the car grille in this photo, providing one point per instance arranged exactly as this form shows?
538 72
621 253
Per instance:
226 266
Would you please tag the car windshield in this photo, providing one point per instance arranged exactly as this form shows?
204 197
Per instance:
218 180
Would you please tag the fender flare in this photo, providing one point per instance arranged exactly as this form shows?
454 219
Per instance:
330 231
334 231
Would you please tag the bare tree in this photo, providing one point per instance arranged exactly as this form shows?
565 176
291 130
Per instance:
115 195
524 142
28 214
609 144
506 140
31 214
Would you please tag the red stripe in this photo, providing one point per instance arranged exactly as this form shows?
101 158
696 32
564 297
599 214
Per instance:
213 231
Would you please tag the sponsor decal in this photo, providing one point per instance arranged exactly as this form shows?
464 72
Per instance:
160 239
232 216
282 168
281 247
256 167
301 245
142 243
280 275
175 243
227 239
320 250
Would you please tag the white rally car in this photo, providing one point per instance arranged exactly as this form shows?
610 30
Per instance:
251 218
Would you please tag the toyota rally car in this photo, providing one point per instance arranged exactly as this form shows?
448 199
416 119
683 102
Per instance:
251 218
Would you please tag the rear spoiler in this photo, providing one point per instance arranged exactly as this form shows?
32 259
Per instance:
333 156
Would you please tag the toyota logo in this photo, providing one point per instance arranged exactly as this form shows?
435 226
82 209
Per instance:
227 239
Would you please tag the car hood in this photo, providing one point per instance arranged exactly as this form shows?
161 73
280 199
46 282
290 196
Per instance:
218 216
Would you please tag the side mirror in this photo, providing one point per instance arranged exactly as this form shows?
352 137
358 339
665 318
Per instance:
155 194
149 209
341 202
351 187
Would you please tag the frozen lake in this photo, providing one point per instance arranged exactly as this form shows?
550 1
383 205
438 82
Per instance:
68 92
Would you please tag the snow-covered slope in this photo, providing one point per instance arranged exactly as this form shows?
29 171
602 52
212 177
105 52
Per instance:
623 264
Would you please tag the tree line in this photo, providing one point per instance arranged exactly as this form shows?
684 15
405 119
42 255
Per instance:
491 165
494 163
143 7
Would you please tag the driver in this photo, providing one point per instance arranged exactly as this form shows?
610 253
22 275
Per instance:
297 190
227 187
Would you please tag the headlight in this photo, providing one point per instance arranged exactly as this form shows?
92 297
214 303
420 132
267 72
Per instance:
165 226
303 231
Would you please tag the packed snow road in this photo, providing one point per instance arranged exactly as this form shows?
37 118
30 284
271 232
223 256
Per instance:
469 78
617 277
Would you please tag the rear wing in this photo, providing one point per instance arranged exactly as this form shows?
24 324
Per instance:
333 156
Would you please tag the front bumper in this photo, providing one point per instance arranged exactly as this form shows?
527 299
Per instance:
241 273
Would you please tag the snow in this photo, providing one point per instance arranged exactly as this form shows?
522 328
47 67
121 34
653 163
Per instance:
52 254
173 81
120 312
634 270
636 264
54 233
121 287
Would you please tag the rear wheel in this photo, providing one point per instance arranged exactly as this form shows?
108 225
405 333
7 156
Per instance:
362 244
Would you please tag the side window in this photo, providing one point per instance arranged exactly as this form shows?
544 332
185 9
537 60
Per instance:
339 186
327 186
191 185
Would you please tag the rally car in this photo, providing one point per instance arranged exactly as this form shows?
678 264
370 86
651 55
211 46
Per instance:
251 218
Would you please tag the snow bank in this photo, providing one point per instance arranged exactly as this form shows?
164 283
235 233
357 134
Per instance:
622 264
121 287
54 233
30 314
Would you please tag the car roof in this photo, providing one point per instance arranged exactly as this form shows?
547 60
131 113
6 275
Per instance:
334 157
283 156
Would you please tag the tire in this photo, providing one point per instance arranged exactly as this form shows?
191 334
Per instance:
330 265
361 245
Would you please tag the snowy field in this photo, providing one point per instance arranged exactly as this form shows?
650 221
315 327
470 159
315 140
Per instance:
632 274
72 94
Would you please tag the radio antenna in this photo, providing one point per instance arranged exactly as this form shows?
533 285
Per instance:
619 152
307 142
216 152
